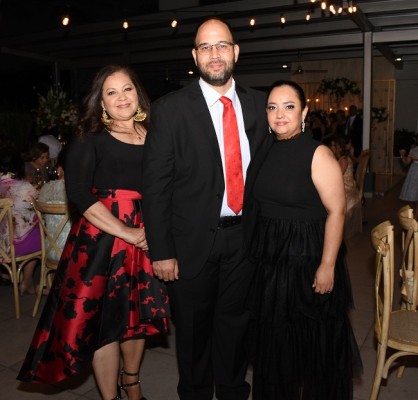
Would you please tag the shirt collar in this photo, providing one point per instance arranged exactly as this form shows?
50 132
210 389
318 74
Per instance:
212 96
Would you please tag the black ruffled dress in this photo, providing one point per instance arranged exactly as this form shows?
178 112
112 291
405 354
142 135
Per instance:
303 344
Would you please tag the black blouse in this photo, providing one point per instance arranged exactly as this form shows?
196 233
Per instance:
104 162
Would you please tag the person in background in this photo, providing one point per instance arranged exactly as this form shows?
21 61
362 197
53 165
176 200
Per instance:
104 299
341 123
27 237
317 126
354 130
53 192
54 145
331 125
193 218
339 147
36 164
304 346
409 191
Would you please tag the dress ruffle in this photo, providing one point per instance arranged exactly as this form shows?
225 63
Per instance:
302 343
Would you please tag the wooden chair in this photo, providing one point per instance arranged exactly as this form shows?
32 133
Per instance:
409 270
51 252
8 259
396 330
354 219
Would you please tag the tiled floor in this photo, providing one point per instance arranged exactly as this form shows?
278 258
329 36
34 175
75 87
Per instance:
159 374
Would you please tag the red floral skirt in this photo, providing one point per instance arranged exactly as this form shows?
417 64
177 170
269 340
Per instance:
103 291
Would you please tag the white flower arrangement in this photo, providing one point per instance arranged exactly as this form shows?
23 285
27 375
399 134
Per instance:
55 112
379 114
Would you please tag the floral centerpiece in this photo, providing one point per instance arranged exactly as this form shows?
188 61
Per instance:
379 114
56 113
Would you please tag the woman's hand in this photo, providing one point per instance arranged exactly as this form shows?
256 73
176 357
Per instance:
136 236
324 279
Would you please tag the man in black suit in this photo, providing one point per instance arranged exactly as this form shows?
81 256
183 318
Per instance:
195 239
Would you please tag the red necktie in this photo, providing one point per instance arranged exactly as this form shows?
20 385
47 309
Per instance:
233 163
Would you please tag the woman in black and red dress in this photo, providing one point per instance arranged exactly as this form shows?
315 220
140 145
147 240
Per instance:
104 299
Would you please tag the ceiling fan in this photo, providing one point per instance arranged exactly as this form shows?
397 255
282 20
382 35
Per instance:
299 70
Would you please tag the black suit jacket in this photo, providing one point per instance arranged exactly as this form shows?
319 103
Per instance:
183 176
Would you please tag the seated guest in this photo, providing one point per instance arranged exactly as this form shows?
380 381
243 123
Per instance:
340 149
53 192
27 237
53 144
36 164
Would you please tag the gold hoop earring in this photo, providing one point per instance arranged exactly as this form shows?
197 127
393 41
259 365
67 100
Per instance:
105 118
140 115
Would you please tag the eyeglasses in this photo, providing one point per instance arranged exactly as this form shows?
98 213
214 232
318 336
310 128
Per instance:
221 47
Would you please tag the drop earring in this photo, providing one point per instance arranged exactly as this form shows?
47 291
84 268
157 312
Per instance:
270 130
105 118
303 126
140 115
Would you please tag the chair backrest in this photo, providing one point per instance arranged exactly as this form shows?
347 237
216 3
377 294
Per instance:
361 171
409 271
6 223
51 251
382 238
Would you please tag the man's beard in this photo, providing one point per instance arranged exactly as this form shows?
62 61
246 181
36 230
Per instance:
219 78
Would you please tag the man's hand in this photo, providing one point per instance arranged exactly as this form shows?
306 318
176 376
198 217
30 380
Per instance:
167 270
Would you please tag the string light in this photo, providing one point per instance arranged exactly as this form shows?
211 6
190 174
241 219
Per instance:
125 24
348 6
65 20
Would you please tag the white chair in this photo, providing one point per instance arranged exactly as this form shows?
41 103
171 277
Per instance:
8 259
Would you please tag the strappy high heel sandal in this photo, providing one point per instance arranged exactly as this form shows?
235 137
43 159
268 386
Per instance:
125 386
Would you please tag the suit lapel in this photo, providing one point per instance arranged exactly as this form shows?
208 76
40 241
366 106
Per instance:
247 105
199 110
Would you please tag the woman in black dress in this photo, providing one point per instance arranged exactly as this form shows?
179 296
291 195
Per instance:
104 299
304 344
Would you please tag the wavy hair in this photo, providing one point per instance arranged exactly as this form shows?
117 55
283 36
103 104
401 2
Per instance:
89 122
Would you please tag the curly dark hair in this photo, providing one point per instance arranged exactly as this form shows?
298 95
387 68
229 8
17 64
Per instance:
35 151
89 122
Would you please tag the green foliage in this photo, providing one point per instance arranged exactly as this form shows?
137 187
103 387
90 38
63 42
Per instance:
338 88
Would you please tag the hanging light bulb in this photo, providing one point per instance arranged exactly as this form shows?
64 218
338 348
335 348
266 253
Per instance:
323 5
252 21
174 23
65 20
332 9
282 19
340 10
125 24
308 16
